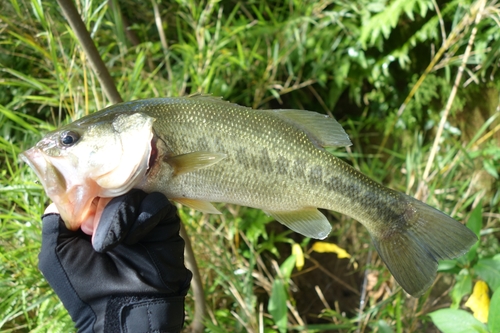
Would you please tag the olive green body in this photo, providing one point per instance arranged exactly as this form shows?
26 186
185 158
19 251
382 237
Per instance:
270 164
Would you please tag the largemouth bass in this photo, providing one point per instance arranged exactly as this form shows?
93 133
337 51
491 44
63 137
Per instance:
200 149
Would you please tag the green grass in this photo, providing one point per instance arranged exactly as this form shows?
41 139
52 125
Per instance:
357 61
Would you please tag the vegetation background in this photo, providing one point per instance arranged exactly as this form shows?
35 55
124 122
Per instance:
415 83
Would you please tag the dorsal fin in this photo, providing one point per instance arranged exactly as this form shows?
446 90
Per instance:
214 99
322 129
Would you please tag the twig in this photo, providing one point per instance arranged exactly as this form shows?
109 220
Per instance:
487 136
199 295
362 298
75 21
295 313
322 297
451 98
288 90
163 38
441 22
338 280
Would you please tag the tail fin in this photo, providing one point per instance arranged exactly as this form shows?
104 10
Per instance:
411 251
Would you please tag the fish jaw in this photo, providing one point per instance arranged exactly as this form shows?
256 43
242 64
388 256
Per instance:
71 194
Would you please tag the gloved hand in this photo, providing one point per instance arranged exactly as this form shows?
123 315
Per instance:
132 278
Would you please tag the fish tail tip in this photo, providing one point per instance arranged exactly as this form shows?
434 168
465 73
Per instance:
413 245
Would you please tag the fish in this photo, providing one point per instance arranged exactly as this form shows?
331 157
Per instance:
200 150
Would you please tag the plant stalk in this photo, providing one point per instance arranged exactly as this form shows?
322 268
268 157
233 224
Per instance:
449 103
75 21
197 325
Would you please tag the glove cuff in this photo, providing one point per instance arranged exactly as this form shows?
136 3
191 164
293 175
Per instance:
146 314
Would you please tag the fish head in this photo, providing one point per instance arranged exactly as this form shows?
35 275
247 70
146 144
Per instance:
99 156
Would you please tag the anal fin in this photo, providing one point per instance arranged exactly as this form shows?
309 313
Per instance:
202 206
307 221
194 161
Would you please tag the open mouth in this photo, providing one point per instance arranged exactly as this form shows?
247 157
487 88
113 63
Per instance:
49 175
89 225
30 156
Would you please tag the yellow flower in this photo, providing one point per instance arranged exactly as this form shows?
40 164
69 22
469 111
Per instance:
479 301
299 256
323 247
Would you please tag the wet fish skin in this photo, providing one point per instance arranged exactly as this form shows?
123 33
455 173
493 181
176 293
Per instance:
295 174
207 150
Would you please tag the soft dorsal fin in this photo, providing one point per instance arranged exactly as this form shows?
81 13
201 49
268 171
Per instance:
322 129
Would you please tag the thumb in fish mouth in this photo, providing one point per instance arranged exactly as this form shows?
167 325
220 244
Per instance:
90 224
52 208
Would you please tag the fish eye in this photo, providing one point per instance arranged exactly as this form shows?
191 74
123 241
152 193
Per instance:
69 138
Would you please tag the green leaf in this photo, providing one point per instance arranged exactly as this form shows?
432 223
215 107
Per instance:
475 224
490 57
277 305
446 264
489 271
490 168
475 221
33 82
384 21
462 287
494 314
384 327
286 267
17 118
457 321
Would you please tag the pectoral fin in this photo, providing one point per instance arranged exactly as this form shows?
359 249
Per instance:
308 222
194 161
202 206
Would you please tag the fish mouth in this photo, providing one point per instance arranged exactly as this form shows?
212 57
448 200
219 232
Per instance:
30 156
80 186
72 197
51 178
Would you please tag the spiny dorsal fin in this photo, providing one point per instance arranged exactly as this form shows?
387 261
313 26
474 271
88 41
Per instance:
322 129
194 161
214 99
307 221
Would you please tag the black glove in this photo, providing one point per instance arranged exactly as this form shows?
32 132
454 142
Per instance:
132 279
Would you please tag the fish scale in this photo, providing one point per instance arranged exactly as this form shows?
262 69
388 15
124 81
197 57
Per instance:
205 150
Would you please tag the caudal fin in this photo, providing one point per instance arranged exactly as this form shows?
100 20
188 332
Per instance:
412 250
